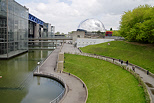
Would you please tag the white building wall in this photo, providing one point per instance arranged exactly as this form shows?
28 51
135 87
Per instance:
82 42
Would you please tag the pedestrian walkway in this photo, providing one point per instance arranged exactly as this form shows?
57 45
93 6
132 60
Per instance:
147 79
68 48
75 93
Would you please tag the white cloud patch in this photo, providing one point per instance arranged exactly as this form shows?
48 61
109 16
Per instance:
66 15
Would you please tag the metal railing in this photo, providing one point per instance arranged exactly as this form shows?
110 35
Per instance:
57 99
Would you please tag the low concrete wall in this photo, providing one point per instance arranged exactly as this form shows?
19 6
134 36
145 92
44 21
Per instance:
82 42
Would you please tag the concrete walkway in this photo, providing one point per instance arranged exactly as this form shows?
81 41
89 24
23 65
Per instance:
147 79
76 93
68 48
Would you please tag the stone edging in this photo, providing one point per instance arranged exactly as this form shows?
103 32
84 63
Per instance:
151 74
81 82
98 56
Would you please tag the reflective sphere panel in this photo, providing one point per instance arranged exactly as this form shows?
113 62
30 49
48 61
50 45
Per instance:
91 25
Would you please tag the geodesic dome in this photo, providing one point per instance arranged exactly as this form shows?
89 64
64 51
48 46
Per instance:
91 25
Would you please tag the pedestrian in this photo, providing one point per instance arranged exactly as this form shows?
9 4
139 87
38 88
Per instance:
121 62
133 67
147 72
83 86
127 62
113 60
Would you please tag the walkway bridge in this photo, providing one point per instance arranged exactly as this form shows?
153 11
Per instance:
46 43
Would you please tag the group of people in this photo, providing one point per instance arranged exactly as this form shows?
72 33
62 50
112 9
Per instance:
133 67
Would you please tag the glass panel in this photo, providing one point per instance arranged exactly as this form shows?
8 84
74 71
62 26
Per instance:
17 28
3 28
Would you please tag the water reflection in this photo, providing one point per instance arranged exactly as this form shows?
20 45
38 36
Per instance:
18 81
42 90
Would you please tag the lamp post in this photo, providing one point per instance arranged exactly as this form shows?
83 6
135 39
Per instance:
38 63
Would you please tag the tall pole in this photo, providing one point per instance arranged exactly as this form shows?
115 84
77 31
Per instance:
38 63
7 27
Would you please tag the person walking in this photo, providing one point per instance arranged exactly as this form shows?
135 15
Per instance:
121 62
127 62
133 67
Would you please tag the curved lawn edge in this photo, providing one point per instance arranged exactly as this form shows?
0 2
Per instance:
150 73
147 94
81 82
96 85
141 55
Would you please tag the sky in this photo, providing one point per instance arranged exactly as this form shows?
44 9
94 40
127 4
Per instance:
66 15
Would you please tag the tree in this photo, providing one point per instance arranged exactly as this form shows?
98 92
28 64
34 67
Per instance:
138 24
57 33
110 29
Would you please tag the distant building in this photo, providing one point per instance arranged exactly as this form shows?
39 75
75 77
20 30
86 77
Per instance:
36 27
13 28
16 26
52 30
77 34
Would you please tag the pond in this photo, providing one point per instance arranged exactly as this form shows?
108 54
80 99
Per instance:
18 85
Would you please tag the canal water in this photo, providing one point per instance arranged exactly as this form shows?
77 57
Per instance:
18 85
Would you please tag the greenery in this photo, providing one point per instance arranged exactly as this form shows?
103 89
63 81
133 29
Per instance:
142 56
110 29
138 24
58 33
105 81
116 33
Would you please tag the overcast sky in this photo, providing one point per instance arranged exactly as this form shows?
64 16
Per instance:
66 15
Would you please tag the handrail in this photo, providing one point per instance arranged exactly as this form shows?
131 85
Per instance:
57 99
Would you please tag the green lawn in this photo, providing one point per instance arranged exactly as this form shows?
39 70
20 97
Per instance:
142 56
106 82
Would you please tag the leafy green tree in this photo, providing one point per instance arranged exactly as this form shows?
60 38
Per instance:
110 29
138 24
57 33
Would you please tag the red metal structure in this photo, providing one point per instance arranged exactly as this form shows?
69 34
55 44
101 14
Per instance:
108 33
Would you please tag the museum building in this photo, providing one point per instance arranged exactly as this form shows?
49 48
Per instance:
16 26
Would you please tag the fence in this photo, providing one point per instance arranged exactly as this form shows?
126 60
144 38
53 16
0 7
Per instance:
56 77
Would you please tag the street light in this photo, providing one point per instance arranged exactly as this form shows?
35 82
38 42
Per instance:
38 63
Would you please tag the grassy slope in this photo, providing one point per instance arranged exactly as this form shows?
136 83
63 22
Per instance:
106 82
142 56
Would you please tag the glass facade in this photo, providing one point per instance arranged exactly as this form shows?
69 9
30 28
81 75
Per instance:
13 28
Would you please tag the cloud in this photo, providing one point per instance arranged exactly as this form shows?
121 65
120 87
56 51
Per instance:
66 15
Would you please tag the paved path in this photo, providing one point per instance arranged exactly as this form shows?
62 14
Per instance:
147 79
68 48
76 93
